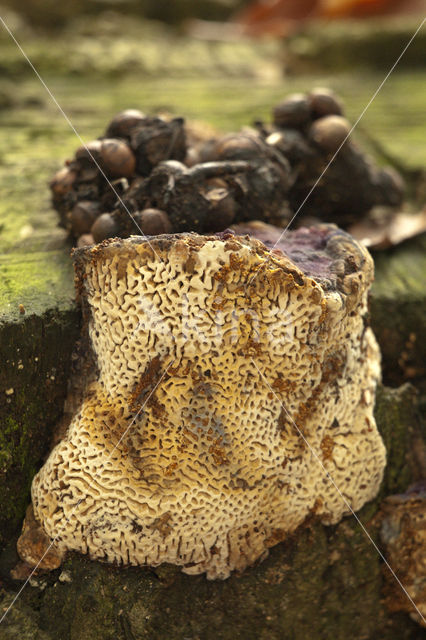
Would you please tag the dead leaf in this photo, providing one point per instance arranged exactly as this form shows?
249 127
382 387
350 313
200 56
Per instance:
388 230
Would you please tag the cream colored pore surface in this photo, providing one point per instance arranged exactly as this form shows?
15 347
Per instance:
185 449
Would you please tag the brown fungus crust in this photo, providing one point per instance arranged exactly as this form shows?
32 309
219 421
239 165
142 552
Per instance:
209 349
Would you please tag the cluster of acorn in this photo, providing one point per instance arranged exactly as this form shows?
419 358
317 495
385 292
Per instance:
152 175
335 181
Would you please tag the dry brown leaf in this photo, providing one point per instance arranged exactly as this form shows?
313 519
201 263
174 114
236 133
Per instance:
389 230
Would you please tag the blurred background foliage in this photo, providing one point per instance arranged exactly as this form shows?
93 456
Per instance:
124 36
54 15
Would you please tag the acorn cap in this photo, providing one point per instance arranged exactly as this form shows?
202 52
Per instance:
155 140
87 159
89 151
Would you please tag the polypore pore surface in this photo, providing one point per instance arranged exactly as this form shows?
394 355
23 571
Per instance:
229 382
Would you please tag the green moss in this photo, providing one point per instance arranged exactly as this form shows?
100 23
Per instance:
398 310
16 451
38 280
22 622
400 273
398 422
35 356
14 431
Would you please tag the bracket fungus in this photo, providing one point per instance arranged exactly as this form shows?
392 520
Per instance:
220 366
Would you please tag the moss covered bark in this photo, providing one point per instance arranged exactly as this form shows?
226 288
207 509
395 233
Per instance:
398 310
34 365
39 324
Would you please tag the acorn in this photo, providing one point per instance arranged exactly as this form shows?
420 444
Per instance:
294 111
330 132
237 146
153 222
104 227
63 181
113 156
123 123
83 215
323 102
85 240
117 159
